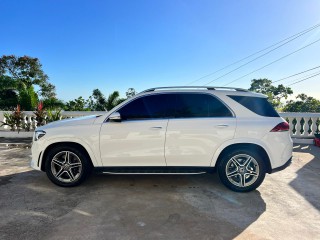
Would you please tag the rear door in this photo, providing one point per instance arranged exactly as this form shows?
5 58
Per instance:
200 125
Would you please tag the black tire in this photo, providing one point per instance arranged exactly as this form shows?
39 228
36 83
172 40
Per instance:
241 170
76 168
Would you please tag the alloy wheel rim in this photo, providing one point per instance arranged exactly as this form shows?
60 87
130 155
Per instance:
66 166
242 170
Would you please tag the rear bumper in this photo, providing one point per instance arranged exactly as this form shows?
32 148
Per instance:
287 164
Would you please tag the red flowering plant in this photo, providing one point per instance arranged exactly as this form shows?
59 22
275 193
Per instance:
40 114
14 119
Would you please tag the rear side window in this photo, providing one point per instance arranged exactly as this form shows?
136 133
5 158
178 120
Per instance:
258 105
199 105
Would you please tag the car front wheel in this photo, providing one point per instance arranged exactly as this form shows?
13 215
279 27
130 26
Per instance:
67 166
241 170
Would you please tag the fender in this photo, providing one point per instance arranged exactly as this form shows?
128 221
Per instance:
95 160
236 141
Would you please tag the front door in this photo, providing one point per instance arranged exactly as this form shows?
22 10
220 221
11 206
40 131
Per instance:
139 138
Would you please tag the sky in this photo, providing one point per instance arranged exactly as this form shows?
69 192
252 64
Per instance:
115 45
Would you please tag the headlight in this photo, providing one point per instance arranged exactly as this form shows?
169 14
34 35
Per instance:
39 134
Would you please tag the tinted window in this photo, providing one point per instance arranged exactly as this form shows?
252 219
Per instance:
199 105
155 106
258 105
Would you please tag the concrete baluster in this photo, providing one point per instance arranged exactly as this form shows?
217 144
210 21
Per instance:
298 127
291 125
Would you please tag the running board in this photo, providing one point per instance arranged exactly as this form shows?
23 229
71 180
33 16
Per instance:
152 173
154 170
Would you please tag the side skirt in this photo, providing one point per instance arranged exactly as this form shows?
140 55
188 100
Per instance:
154 170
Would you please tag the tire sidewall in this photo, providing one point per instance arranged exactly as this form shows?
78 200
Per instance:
222 170
84 161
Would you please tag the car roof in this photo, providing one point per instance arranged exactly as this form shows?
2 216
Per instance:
203 89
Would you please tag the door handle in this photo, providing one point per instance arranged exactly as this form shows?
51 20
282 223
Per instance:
156 127
222 125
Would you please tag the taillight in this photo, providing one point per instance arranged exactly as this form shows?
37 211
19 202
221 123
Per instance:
281 127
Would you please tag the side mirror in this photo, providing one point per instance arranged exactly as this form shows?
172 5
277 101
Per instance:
115 117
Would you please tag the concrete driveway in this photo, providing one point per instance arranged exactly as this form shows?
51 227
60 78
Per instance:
286 206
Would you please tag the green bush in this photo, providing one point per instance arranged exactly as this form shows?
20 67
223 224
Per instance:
14 119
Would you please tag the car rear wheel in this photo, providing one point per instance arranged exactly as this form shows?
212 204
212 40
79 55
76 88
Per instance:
242 170
67 166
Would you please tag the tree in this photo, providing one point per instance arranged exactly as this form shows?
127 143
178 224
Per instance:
302 104
28 98
53 104
78 104
275 94
97 102
113 100
9 97
27 71
131 92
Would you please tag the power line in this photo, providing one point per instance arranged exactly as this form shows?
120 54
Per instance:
303 79
275 44
260 56
277 60
296 74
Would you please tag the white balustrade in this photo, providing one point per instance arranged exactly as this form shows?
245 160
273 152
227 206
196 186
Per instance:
29 117
302 125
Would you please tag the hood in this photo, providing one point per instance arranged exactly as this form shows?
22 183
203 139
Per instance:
86 120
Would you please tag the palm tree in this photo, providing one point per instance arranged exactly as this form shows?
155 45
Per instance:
113 100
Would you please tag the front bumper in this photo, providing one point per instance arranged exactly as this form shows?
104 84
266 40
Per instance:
34 164
287 164
36 154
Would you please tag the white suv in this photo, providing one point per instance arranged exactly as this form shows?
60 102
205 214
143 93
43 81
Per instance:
170 130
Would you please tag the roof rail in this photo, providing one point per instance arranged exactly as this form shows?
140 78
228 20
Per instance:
193 87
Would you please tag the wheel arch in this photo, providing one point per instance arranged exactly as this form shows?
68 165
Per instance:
248 146
66 143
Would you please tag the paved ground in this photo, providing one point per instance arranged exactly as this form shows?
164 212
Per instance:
286 206
26 140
